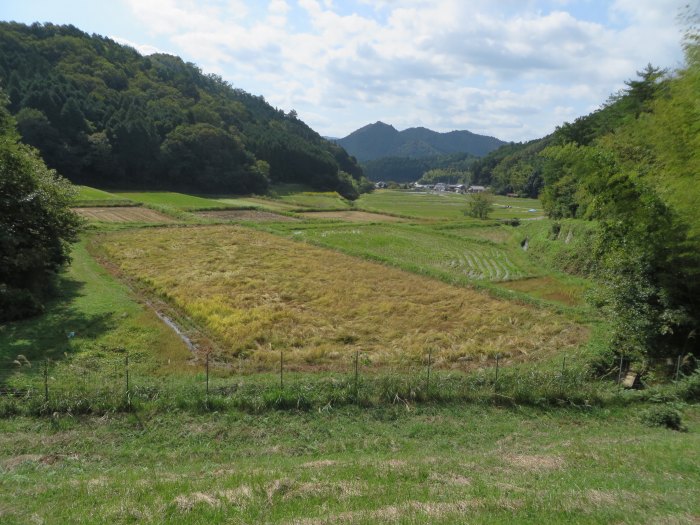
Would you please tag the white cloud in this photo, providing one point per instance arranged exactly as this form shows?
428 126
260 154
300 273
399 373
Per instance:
513 69
144 49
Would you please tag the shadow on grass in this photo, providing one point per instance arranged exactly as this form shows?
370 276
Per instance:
50 335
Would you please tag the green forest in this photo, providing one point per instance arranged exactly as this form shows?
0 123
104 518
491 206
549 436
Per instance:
103 115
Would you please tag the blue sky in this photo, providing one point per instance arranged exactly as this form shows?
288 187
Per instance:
513 69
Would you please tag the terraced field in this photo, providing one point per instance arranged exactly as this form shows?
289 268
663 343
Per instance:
351 216
88 196
179 201
121 214
420 249
246 216
259 293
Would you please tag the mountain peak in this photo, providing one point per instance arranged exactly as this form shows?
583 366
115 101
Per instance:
378 140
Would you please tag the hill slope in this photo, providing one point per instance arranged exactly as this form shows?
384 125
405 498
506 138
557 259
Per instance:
103 115
380 140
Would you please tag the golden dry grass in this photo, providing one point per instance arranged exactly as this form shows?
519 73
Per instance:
258 294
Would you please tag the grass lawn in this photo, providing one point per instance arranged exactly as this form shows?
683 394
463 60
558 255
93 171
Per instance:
443 206
259 293
169 199
394 464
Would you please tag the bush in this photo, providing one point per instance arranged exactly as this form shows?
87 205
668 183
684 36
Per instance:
689 387
662 416
18 304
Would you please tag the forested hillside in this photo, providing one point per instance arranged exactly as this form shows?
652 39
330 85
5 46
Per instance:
103 115
404 169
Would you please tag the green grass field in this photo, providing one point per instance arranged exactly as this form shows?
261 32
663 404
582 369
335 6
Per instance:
442 206
88 196
458 259
316 200
169 199
95 316
266 204
443 464
463 253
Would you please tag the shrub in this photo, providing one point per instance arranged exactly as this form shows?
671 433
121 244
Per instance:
689 387
662 416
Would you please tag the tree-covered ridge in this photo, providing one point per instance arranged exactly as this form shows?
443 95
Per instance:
102 114
380 140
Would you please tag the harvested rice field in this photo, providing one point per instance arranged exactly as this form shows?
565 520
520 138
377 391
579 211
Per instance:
121 214
258 294
351 216
246 216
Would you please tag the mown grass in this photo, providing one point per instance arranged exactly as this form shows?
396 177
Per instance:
179 201
392 464
259 293
443 205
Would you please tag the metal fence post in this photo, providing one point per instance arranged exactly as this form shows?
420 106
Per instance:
46 380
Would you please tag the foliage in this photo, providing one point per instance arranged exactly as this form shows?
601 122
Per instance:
444 175
105 116
513 168
404 169
36 225
480 205
640 184
662 416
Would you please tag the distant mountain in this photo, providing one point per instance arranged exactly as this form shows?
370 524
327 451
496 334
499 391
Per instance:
379 140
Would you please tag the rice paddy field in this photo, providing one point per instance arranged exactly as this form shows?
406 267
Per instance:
458 253
122 214
259 293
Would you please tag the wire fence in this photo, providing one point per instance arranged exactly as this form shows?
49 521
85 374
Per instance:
118 381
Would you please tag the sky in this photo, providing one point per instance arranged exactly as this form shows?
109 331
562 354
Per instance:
513 69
